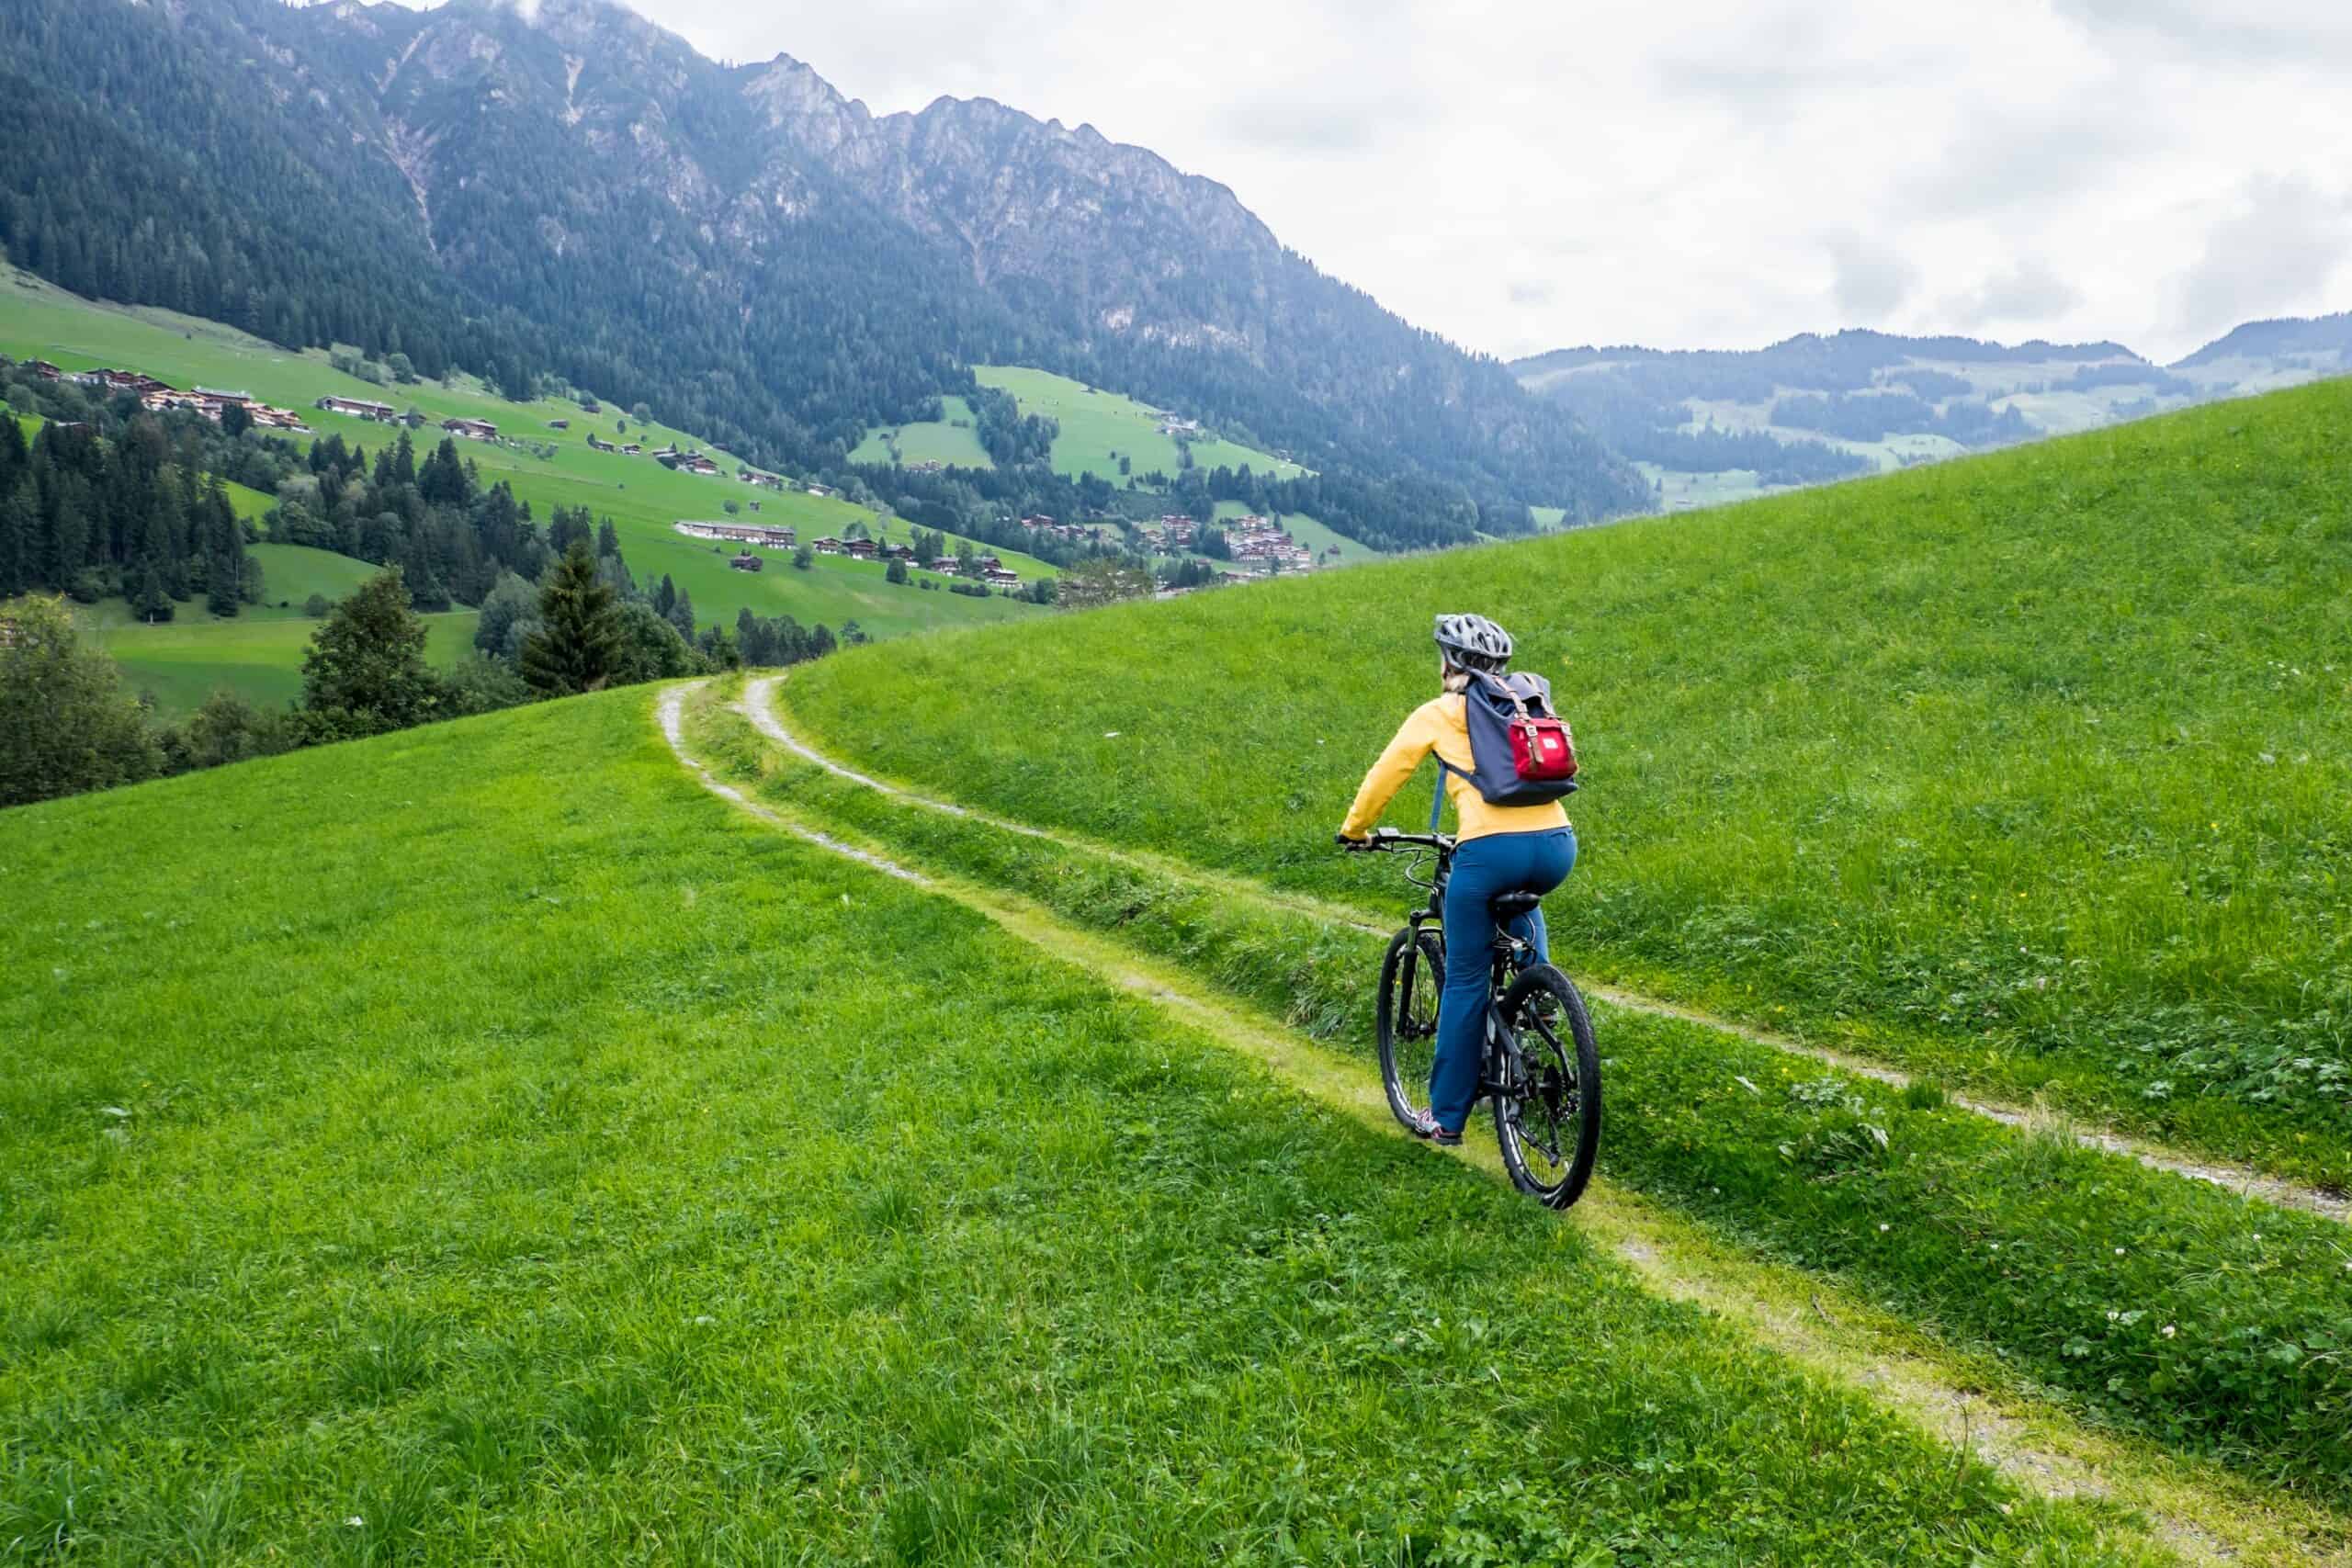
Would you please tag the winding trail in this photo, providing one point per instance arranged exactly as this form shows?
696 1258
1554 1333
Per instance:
2193 1510
758 706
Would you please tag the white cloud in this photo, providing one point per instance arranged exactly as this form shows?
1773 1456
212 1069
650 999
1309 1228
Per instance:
2273 255
2012 301
1714 172
1868 280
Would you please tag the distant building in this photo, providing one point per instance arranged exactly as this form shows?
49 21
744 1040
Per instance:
863 549
739 532
471 429
998 577
559 424
745 562
828 546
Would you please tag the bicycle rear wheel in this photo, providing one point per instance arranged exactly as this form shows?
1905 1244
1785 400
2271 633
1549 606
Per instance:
1550 1125
1411 978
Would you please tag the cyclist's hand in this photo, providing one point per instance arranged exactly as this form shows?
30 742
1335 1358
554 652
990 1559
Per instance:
1347 843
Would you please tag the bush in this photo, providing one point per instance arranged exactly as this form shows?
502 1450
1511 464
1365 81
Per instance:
316 606
67 725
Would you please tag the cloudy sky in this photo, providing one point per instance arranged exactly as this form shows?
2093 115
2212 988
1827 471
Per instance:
1707 172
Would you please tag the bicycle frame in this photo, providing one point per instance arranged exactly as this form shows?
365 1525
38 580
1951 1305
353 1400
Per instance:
1511 953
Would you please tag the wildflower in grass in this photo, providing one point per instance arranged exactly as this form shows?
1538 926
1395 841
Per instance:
1883 1228
2169 1331
2119 1252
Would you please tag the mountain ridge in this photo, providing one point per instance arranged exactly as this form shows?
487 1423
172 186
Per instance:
579 193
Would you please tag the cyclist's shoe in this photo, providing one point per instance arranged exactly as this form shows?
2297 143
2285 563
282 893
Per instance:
1424 1126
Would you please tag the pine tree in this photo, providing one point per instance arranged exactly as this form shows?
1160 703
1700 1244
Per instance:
225 553
366 672
682 615
664 596
577 646
20 516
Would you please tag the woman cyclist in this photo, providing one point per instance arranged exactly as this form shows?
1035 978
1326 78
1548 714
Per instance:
1500 849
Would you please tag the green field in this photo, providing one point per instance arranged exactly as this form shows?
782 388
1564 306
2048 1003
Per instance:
642 498
181 662
2165 1307
527 1201
1098 427
292 573
949 439
2025 771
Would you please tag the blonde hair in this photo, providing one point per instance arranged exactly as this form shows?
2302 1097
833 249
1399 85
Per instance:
1454 678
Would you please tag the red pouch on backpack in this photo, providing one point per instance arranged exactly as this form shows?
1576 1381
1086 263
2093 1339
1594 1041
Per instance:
1541 749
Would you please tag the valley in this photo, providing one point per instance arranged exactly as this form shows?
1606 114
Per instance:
782 991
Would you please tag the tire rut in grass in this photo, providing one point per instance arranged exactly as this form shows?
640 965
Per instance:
2198 1513
758 706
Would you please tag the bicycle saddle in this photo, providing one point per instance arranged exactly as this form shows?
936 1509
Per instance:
1510 906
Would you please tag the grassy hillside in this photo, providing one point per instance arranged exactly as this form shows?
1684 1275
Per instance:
181 662
948 439
641 497
1098 427
526 1201
2026 770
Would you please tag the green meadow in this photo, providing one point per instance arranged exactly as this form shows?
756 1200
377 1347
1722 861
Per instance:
259 657
2171 1308
1099 427
603 1175
642 498
2026 772
949 439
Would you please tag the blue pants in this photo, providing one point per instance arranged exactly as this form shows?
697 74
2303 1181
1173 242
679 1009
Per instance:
1499 862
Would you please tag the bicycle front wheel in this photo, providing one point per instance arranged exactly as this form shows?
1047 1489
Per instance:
1549 1124
1411 978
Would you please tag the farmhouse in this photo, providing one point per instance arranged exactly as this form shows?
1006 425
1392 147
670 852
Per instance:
897 552
44 370
862 549
471 429
598 443
632 449
828 546
945 564
747 561
559 424
996 576
121 381
820 491
739 532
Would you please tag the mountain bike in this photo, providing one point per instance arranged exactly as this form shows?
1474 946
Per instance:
1540 1069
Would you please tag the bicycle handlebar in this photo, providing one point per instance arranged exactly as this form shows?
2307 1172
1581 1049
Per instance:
1390 838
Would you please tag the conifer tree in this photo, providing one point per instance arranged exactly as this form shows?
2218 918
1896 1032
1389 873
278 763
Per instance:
224 551
577 646
682 615
365 672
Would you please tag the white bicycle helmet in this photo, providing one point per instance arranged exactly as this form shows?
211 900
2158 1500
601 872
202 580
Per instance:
1474 642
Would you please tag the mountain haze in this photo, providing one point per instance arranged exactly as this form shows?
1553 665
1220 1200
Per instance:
579 193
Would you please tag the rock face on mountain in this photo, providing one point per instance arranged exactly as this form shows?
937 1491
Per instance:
746 245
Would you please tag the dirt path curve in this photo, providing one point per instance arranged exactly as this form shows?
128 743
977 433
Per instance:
2197 1512
758 706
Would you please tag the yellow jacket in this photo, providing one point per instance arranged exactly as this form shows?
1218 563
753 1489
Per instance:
1437 726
